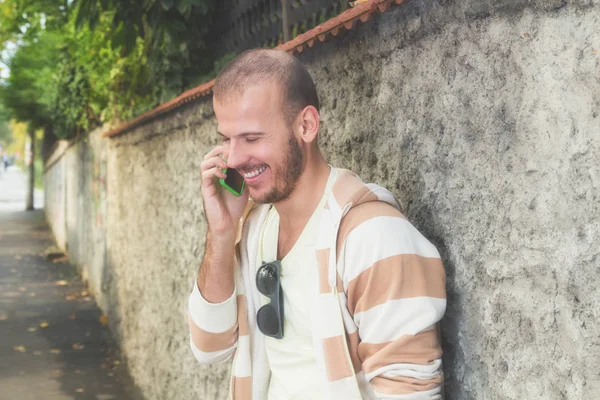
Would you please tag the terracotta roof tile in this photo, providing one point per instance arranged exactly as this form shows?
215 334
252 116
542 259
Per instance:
333 27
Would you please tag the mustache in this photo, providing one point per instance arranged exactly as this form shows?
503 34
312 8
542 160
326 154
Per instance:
249 167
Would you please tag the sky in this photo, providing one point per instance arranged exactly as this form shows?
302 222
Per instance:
4 56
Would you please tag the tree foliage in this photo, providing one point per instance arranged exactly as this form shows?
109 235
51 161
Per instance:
5 131
76 64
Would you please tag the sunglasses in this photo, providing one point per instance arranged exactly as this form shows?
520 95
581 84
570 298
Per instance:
269 317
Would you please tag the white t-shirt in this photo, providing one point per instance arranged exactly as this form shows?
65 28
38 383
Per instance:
292 359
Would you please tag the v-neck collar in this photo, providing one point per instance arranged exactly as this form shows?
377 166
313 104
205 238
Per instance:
273 234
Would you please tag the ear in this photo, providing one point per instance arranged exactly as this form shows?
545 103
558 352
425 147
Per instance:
308 124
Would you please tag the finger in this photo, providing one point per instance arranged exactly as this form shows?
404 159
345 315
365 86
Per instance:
209 175
214 152
213 162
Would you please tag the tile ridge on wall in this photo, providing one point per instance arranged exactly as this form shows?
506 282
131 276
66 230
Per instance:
333 27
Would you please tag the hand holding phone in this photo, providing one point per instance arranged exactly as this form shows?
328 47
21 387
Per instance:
225 200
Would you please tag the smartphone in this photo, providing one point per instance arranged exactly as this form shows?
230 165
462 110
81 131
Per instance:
234 182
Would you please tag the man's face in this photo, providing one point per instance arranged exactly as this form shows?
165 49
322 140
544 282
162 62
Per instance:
260 143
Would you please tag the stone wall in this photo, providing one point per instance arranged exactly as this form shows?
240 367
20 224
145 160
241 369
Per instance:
54 194
480 116
75 183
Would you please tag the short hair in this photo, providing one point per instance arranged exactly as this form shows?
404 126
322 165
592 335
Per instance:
265 66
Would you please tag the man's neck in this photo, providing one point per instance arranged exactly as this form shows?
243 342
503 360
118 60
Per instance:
295 211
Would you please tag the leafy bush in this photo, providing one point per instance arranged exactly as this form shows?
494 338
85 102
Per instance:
81 63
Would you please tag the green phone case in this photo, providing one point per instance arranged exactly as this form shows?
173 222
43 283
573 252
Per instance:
232 190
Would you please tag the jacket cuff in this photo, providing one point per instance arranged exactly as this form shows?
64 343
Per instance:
212 317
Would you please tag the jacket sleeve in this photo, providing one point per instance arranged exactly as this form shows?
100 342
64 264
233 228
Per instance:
213 327
395 284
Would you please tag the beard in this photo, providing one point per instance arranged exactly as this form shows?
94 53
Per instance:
286 175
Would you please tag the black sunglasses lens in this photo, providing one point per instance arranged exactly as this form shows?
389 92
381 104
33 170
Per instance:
267 320
266 281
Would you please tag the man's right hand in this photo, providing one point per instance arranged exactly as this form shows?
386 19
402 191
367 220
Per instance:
223 210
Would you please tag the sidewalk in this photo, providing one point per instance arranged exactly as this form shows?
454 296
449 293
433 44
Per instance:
13 190
54 345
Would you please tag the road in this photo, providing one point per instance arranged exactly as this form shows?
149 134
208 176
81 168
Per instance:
54 342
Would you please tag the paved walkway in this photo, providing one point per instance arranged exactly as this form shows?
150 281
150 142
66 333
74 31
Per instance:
53 343
13 191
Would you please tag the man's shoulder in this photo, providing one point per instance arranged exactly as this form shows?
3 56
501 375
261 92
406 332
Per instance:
374 213
350 190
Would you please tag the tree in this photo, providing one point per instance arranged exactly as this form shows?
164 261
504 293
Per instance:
174 32
81 63
27 92
6 137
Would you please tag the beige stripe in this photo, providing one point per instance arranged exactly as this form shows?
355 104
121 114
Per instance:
403 385
348 188
397 277
242 315
361 213
208 341
242 388
336 361
353 340
422 349
322 265
338 283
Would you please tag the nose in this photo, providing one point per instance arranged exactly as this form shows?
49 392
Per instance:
235 156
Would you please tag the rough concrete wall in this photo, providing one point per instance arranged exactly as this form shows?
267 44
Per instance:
482 117
155 244
54 199
85 208
486 127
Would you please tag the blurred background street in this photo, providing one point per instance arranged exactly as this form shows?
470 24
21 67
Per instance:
54 340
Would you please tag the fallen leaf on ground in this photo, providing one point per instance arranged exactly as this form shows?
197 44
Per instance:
37 353
77 346
85 293
23 289
3 317
60 259
54 351
78 372
21 349
116 362
595 51
44 324
103 319
70 297
31 294
80 390
73 316
32 329
62 283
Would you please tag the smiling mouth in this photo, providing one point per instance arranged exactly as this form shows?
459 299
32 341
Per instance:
254 174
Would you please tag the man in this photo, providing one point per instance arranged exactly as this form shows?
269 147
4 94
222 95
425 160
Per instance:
319 287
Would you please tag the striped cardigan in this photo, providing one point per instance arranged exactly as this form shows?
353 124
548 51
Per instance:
378 298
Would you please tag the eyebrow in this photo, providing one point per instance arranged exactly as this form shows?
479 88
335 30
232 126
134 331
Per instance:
244 134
